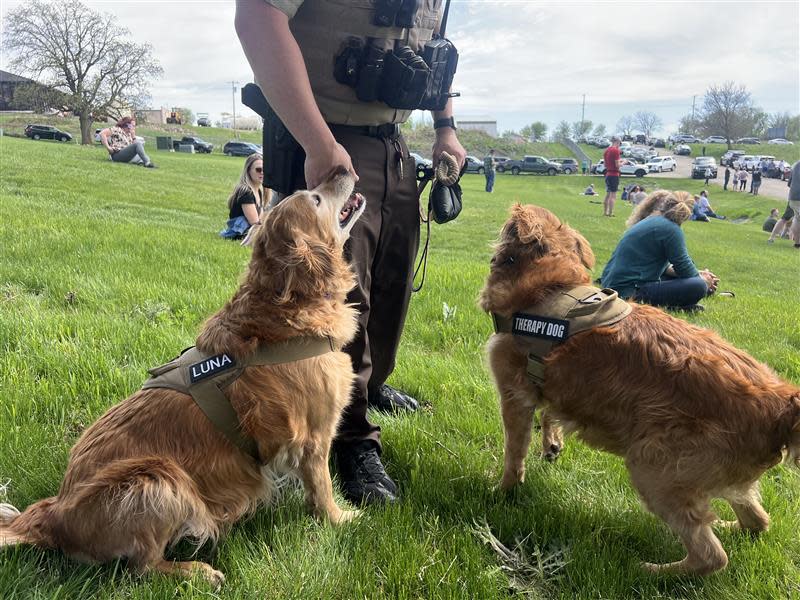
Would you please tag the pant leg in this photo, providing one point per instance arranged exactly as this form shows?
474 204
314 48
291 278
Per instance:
490 181
128 152
673 292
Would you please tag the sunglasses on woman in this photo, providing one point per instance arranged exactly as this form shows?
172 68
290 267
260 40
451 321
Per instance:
258 169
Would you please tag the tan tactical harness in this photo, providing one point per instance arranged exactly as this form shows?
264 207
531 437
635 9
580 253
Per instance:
205 377
544 325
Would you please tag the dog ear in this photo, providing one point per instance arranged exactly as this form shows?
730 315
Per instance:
584 250
313 255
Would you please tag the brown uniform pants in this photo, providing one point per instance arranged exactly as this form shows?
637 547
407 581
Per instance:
382 247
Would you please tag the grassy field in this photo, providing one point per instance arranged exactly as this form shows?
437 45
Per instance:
108 269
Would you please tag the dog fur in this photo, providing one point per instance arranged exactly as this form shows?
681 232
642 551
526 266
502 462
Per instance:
154 469
693 417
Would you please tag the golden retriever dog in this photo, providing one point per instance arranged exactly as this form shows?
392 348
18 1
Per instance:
693 417
154 469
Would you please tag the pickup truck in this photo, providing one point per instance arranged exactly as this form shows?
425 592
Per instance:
532 164
199 145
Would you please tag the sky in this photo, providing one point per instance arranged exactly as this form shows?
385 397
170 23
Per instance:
521 61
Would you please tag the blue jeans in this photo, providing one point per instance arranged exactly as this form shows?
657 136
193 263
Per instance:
672 292
489 181
129 151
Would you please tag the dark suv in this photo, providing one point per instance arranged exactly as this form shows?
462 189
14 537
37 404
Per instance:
568 165
240 149
198 144
45 132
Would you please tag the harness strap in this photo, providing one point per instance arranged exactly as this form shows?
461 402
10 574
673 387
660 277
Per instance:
205 377
561 315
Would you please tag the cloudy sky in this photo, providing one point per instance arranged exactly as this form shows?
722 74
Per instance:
525 60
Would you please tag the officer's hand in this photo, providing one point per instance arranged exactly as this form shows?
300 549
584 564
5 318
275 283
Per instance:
320 162
446 141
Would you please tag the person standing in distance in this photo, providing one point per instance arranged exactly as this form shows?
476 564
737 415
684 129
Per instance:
611 161
292 47
489 164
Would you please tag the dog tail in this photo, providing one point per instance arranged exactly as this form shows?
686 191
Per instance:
34 526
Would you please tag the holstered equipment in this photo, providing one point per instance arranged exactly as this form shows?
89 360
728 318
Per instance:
206 377
541 327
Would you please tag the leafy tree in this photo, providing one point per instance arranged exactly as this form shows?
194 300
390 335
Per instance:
599 130
535 131
83 54
728 110
187 116
561 132
793 128
581 128
647 122
626 124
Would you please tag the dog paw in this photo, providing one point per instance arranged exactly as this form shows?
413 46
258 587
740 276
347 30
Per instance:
211 575
652 568
729 525
551 453
348 515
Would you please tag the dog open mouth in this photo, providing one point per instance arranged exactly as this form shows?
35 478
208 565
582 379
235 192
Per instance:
351 209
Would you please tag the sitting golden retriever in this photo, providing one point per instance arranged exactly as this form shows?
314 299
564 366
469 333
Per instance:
154 468
693 417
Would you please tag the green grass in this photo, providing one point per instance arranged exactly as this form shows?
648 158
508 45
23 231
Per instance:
107 269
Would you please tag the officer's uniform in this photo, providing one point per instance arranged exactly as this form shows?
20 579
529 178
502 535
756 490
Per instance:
383 243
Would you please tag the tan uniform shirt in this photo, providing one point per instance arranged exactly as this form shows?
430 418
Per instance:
322 27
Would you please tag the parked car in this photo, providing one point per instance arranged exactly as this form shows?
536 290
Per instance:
603 143
203 122
533 164
780 141
234 148
474 165
658 164
682 150
730 157
626 167
716 139
568 165
198 144
45 132
685 138
748 140
659 143
748 162
700 164
501 161
421 162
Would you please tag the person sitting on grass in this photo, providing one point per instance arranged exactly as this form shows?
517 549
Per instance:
637 195
122 145
589 191
651 263
702 208
771 221
246 201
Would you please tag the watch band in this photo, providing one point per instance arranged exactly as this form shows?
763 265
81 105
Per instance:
446 122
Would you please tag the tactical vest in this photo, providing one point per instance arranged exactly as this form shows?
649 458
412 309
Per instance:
541 327
205 377
322 28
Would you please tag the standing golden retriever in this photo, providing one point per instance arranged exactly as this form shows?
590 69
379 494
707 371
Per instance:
693 417
154 468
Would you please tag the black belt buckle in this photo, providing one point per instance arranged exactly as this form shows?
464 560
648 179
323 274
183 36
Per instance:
387 130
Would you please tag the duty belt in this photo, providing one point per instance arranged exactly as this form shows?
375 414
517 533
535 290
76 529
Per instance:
387 130
541 327
205 377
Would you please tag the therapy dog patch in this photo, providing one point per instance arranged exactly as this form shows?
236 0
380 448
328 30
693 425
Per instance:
210 367
540 327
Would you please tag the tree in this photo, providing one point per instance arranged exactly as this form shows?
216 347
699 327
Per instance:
599 130
535 131
561 132
626 125
187 116
581 128
728 110
647 122
83 54
793 129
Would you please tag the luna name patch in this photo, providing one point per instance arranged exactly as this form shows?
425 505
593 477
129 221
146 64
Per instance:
210 366
540 327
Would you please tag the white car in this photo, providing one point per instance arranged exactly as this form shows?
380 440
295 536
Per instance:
748 162
626 167
716 139
781 141
661 163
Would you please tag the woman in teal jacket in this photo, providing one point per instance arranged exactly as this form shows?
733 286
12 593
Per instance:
651 263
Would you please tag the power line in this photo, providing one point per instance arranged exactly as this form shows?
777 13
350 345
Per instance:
233 98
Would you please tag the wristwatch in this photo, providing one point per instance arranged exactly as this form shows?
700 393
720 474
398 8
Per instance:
446 122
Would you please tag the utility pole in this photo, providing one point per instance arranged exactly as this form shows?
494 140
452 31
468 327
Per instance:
233 98
693 125
583 111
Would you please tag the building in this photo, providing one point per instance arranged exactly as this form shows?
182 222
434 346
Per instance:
154 116
8 85
485 124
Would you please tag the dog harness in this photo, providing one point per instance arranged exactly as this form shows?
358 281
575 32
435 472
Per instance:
541 327
205 377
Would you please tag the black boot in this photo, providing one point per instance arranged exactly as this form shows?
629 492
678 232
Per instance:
361 472
385 398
